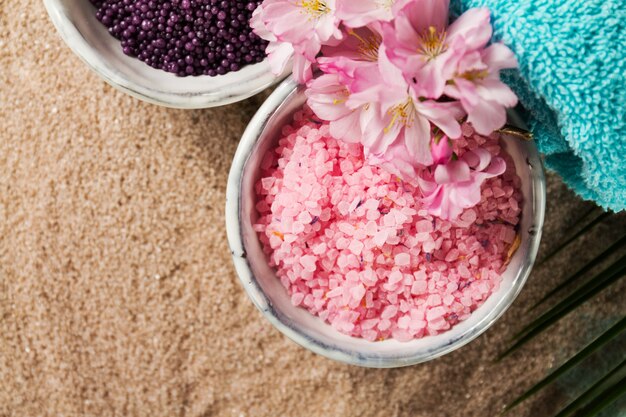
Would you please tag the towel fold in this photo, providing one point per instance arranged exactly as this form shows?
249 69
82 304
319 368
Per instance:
572 83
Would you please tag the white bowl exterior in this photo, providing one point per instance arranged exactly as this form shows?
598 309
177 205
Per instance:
89 39
267 293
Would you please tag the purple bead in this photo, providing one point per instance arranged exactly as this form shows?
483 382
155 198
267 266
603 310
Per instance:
184 37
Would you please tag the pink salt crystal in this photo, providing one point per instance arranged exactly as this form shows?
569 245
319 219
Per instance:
356 247
435 313
357 292
371 204
369 335
371 228
389 220
305 217
469 216
342 261
498 192
402 259
346 228
464 272
360 234
320 206
319 249
401 335
381 237
433 300
452 255
393 239
369 324
354 204
336 292
369 277
297 298
395 277
372 214
416 325
419 287
342 243
389 312
384 324
404 321
429 245
308 262
424 226
437 324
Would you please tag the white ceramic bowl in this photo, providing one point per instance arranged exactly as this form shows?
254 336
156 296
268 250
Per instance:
268 294
88 38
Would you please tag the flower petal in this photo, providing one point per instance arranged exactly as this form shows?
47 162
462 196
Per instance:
453 171
473 26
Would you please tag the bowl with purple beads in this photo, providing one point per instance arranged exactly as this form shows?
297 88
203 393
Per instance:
175 53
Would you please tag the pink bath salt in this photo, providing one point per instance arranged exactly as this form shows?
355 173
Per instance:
356 247
308 262
381 237
389 312
353 245
357 293
395 277
424 226
403 259
296 298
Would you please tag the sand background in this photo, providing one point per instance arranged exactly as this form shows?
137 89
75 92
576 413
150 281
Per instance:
117 293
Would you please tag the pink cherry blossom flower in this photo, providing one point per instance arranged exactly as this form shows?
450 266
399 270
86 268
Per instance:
298 29
477 86
441 150
301 21
451 188
357 52
400 117
278 53
420 43
327 96
358 13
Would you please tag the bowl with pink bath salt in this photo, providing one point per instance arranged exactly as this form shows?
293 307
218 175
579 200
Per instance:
175 53
343 258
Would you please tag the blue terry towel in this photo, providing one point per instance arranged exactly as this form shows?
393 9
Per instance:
572 82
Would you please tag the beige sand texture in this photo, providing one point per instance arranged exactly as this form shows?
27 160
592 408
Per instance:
117 293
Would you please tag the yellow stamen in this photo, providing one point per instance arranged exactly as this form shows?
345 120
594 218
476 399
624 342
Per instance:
280 235
368 45
432 43
402 113
387 4
475 75
343 93
315 8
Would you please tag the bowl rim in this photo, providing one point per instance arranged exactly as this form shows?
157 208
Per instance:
246 276
72 37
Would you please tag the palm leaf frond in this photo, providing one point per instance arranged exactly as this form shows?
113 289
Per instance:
600 341
595 390
604 279
607 253
603 400
598 219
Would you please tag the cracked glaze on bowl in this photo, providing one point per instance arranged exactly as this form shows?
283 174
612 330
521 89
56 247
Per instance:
268 294
76 22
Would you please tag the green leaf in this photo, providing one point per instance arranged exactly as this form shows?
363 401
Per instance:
604 279
606 398
615 247
600 341
569 240
595 390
